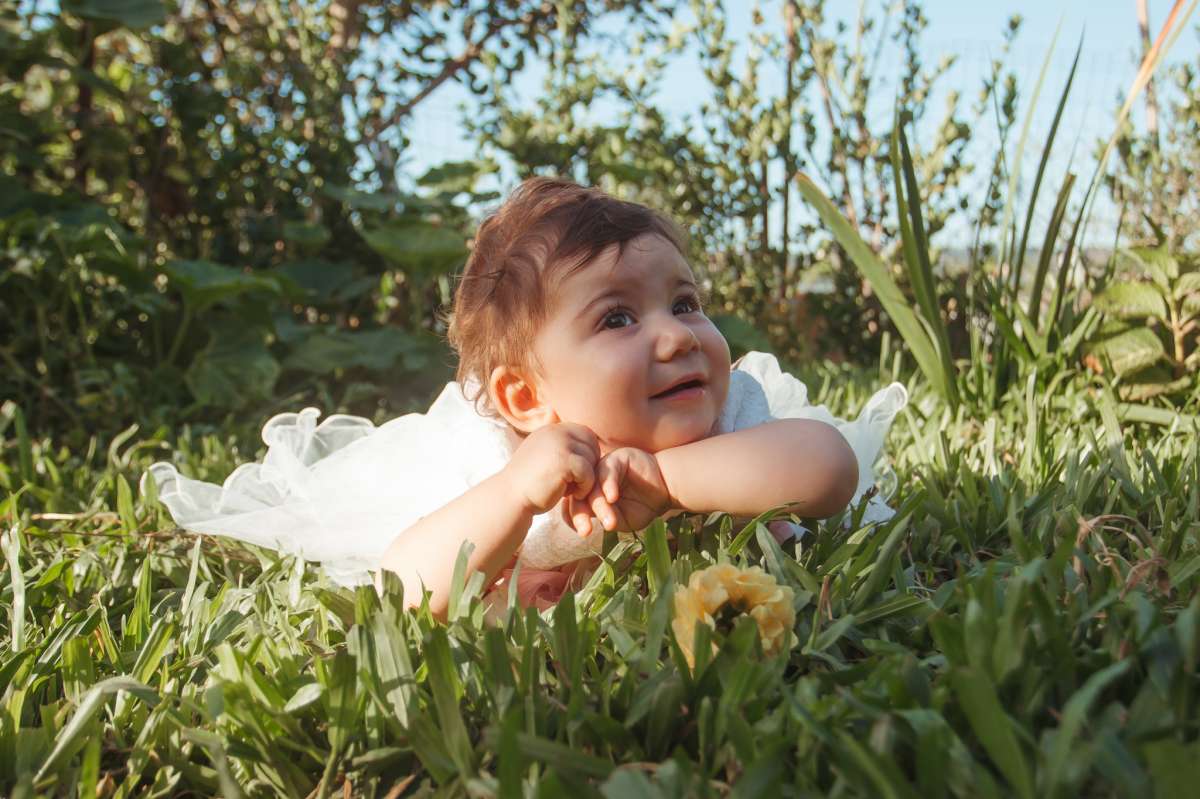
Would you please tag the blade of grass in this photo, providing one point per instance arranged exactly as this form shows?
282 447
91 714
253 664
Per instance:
892 299
1014 174
1047 253
1019 260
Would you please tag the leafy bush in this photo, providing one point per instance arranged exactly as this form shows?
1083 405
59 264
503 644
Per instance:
1149 340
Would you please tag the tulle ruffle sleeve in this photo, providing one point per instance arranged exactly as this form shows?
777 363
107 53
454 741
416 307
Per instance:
759 391
341 490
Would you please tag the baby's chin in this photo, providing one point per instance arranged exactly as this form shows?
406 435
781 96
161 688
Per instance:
659 440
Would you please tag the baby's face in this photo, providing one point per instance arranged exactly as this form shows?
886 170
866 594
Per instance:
621 331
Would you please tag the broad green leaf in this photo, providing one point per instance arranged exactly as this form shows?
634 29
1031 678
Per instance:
418 248
1132 301
321 281
1156 262
233 371
203 283
133 14
1129 351
363 200
306 235
1187 284
379 350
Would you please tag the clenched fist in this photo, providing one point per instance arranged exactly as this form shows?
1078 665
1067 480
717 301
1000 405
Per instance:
552 462
629 492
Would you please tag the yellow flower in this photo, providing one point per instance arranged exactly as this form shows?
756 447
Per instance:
749 590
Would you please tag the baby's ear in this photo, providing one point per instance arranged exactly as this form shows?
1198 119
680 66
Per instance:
519 399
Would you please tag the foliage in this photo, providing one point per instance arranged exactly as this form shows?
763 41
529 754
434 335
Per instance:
1150 339
1028 624
200 203
722 171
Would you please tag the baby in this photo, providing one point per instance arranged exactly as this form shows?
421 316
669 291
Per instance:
582 325
593 394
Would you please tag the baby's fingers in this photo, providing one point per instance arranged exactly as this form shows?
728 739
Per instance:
603 510
581 473
581 520
609 474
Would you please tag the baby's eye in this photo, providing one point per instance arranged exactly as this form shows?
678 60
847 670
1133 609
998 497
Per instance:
615 313
690 304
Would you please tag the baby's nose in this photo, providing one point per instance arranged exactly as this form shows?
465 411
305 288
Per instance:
674 337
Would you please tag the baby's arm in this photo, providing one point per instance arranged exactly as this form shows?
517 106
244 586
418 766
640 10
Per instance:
494 515
489 515
803 463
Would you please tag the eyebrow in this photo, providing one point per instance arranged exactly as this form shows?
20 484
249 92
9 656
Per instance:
622 292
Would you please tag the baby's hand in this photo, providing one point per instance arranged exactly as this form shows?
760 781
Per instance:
553 461
628 494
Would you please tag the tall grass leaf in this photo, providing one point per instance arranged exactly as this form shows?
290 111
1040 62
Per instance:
1014 175
1019 260
881 568
458 580
993 726
830 635
125 505
554 755
214 745
868 264
744 535
71 737
885 779
1046 256
658 555
16 612
13 412
763 776
629 784
510 765
445 685
921 271
1074 714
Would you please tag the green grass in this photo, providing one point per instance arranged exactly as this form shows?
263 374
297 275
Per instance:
1028 625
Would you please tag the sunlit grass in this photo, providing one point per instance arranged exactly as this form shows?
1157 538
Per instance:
1028 624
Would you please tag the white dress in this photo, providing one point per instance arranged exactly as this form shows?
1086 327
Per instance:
340 491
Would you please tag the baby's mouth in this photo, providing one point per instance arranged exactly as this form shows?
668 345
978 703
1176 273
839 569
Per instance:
679 388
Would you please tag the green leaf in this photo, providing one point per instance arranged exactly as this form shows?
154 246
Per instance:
133 14
657 554
204 283
380 350
993 726
71 736
321 281
446 688
914 333
1073 717
306 235
233 371
1157 262
418 248
1132 301
1129 351
1187 284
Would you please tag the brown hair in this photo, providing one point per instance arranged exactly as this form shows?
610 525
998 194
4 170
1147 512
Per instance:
546 230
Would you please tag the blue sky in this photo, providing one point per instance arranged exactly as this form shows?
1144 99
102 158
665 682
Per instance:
971 30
